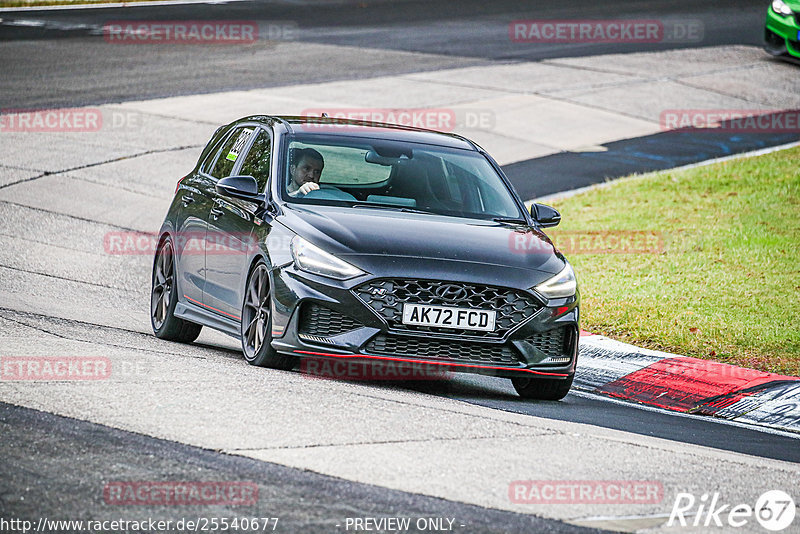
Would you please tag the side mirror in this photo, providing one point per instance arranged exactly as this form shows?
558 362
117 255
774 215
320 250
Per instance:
545 215
243 187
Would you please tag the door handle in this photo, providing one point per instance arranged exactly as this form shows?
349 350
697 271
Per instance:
187 199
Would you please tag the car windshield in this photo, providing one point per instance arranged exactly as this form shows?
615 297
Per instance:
395 175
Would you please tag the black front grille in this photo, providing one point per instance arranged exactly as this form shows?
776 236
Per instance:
393 345
387 297
319 320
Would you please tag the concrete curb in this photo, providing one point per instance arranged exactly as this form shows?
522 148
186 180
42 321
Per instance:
688 385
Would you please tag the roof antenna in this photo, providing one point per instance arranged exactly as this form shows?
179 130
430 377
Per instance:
325 115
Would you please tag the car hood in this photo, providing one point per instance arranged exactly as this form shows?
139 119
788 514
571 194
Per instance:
356 234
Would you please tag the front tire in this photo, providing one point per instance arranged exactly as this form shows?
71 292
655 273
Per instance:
542 388
256 330
164 297
774 44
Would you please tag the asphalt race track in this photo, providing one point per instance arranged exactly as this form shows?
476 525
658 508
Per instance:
320 451
99 450
387 36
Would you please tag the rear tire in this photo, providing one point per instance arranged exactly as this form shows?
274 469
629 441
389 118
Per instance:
256 330
164 297
542 388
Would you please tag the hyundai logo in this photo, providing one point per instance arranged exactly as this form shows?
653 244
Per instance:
451 292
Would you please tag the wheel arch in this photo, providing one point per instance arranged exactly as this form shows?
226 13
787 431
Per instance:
163 235
258 257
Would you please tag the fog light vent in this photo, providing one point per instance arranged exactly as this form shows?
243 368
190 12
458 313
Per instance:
315 339
563 359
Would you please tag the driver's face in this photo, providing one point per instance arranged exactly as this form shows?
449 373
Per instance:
307 170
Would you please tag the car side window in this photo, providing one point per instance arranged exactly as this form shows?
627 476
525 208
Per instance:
257 161
230 152
211 153
211 159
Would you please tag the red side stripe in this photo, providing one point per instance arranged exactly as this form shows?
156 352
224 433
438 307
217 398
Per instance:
212 308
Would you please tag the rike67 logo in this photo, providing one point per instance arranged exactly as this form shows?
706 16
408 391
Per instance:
774 510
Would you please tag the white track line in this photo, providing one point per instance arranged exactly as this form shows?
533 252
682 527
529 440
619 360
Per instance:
115 4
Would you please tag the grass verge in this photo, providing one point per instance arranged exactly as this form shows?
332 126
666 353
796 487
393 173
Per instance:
720 276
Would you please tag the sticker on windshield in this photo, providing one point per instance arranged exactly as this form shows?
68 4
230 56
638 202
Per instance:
239 144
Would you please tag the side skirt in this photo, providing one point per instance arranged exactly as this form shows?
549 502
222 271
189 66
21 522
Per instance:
196 314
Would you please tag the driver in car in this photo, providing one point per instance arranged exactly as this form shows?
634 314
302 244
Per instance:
305 171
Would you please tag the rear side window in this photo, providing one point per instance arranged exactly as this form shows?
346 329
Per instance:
257 161
211 158
227 157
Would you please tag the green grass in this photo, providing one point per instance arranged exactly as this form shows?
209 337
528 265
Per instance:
726 285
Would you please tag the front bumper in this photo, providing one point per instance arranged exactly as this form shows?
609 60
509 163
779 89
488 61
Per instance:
782 34
315 317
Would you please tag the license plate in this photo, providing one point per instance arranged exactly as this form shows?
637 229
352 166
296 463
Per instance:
448 317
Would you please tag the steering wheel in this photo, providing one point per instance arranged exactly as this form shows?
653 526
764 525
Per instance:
329 192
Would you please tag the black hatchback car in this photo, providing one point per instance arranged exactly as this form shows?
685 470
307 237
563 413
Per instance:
331 239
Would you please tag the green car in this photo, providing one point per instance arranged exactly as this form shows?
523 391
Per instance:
782 32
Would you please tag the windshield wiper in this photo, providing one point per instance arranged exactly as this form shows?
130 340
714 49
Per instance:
510 220
389 206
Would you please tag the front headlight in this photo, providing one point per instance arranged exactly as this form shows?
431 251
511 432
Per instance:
564 284
780 7
312 259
